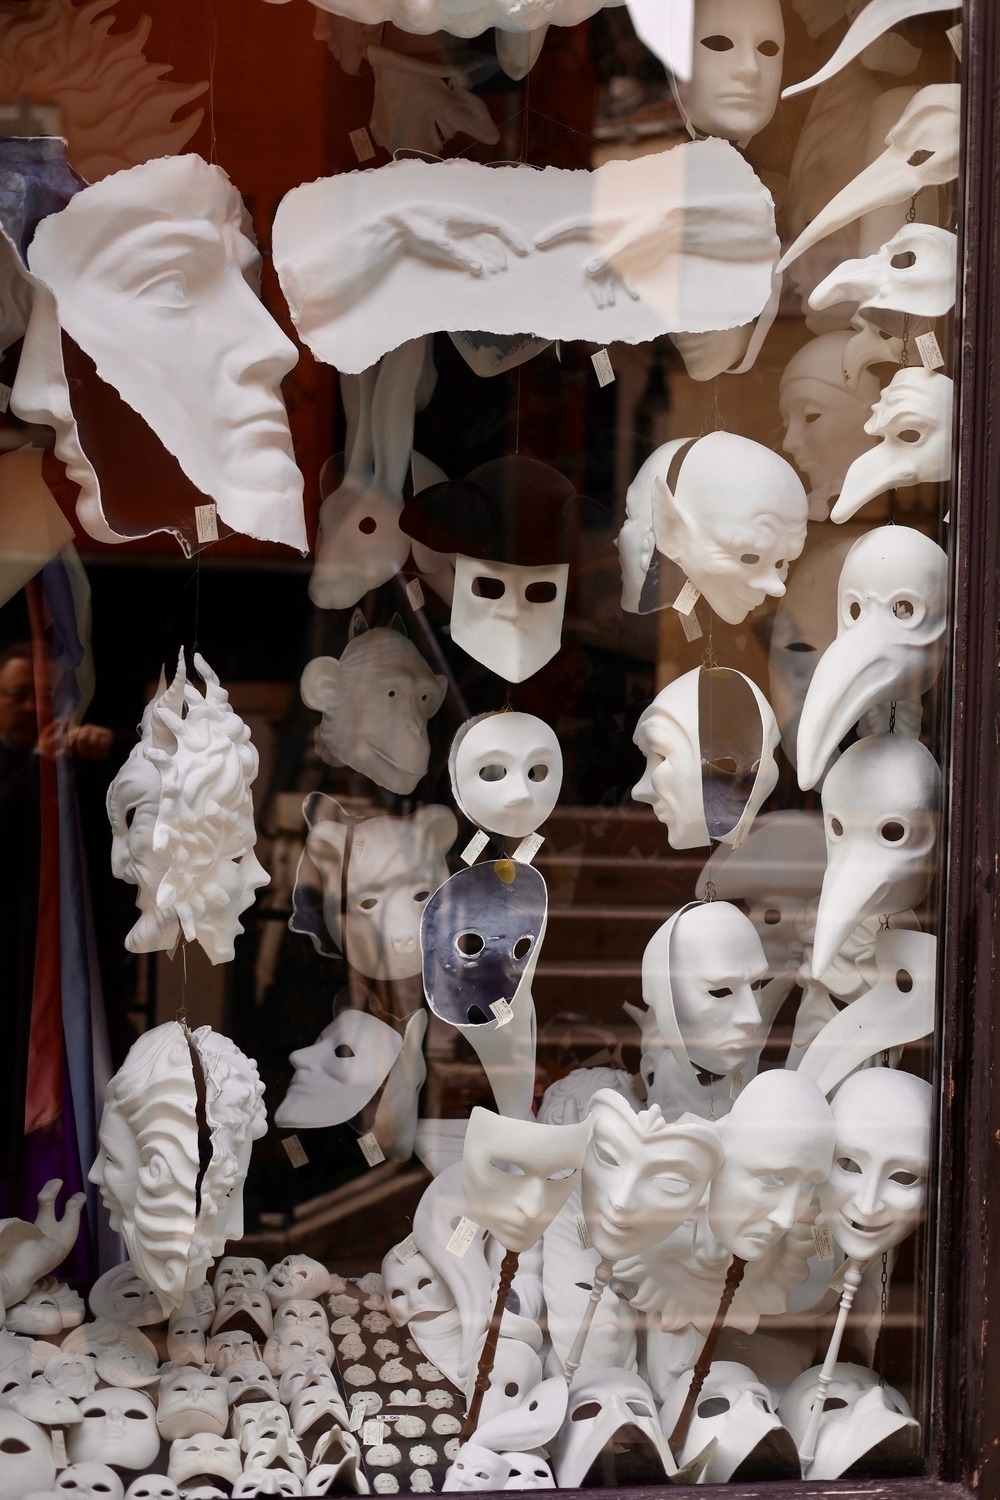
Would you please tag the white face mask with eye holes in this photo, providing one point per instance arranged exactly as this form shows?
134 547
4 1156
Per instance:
914 273
413 1289
340 1072
238 1270
859 1415
508 616
204 1453
736 58
359 546
89 1482
190 1401
913 422
528 1472
118 1425
506 772
476 1468
518 1174
734 1408
606 1405
152 1487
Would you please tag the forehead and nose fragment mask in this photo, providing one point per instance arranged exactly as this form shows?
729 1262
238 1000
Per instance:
912 421
518 1174
914 274
881 804
709 739
860 1415
736 62
610 1406
506 772
892 600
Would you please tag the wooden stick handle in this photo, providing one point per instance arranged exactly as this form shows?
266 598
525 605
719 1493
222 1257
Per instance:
601 1278
508 1266
853 1271
733 1278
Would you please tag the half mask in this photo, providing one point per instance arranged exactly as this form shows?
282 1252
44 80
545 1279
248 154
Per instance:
204 1453
912 421
517 1174
869 25
297 1276
190 1401
736 1410
506 772
913 274
338 1075
608 1406
860 1415
89 1482
28 1463
824 421
152 1487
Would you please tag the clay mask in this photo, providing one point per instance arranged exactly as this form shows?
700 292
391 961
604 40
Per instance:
413 1289
185 1340
735 67
732 514
528 1472
824 421
297 1276
892 601
735 1409
477 1468
339 1073
239 1270
152 277
223 1348
375 701
642 1177
359 545
152 1487
44 1312
506 772
877 1189
709 739
913 273
880 811
242 1308
118 1427
90 1482
778 1141
606 1405
508 617
517 1174
27 1456
913 422
191 1401
860 1413
204 1453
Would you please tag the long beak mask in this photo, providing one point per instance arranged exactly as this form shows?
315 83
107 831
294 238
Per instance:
880 812
878 17
913 420
892 610
921 152
913 274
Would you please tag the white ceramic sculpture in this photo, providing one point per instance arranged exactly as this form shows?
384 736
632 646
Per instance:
372 877
606 1406
914 273
235 1117
881 805
736 57
709 739
340 1072
30 1251
892 604
182 819
735 1413
190 1401
517 1174
121 1296
912 420
28 1463
118 1427
824 419
152 264
375 702
679 240
868 25
861 1413
506 772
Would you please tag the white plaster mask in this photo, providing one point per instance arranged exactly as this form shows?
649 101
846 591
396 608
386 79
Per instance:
259 1419
732 514
779 1140
393 866
340 1072
286 1346
185 1340
316 1409
248 1380
223 1348
516 1371
709 739
375 701
301 1312
27 1460
881 803
301 1374
118 1427
606 1405
914 274
359 545
204 1453
121 1296
921 151
734 1408
507 616
859 1415
642 1177
413 1289
40 1402
702 973
912 421
477 1468
892 603
238 1270
152 1487
506 772
89 1482
876 1193
258 1481
517 1174
528 1472
869 23
297 1276
737 52
241 1307
46 1310
805 623
190 1401
824 420
532 1418
153 277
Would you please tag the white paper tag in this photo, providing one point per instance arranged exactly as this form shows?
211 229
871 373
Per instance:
583 1233
528 848
370 1149
474 847
503 1012
202 1300
405 1250
206 522
954 35
691 626
415 594
358 1416
736 1085
373 1433
687 599
601 362
5 391
464 1233
58 1446
822 1241
929 350
362 144
295 1151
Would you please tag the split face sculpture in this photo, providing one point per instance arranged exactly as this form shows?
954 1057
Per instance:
824 420
912 421
506 772
518 1174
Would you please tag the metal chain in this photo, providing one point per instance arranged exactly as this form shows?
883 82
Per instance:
881 1327
904 355
892 716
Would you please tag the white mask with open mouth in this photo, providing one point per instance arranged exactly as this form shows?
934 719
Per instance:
506 772
912 421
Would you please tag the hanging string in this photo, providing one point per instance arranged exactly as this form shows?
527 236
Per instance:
213 52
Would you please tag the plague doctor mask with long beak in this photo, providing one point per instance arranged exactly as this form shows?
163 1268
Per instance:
912 420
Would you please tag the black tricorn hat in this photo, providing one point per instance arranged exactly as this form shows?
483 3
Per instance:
512 510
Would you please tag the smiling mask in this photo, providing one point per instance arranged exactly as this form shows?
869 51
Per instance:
912 420
892 600
339 1073
506 772
517 1174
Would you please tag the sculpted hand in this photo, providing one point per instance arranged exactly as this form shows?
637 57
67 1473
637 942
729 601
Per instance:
31 1259
638 242
437 236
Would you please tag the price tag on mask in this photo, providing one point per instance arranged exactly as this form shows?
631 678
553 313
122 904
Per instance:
687 599
954 35
373 1433
358 1416
691 626
361 142
930 351
603 369
474 847
370 1149
503 1012
405 1250
415 594
206 523
5 392
822 1241
58 1447
464 1233
202 1300
295 1151
528 848
583 1233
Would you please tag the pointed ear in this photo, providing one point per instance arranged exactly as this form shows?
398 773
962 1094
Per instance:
358 624
439 694
670 530
438 825
320 683
397 623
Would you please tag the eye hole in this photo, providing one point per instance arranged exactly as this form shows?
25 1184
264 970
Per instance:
522 947
769 48
638 1408
909 435
537 773
510 1389
129 815
540 593
836 828
846 1164
892 832
469 944
511 1168
855 611
605 1156
799 646
717 43
903 261
424 1281
367 524
391 693
562 1176
759 984
903 609
770 1179
420 895
906 1179
343 1050
368 903
13 1445
492 773
713 1406
772 916
750 557
488 588
726 764
95 1411
720 994
587 1412
834 1403
918 158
